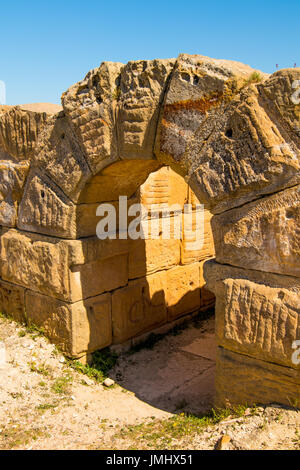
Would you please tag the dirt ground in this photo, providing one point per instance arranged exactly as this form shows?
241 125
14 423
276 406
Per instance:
161 399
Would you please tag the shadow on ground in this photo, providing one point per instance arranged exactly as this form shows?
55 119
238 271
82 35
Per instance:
177 373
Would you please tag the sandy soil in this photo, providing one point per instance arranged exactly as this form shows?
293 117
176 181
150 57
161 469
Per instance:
45 404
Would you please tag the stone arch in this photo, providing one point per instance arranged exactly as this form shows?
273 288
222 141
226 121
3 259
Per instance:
233 134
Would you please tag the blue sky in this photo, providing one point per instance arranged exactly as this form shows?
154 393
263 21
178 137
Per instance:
47 46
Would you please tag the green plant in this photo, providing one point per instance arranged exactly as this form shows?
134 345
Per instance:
102 362
160 434
41 369
46 406
255 77
62 384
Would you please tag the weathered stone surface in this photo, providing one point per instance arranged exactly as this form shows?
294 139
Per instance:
156 189
48 108
197 239
119 179
141 88
12 301
60 156
257 314
207 297
244 380
77 328
262 235
92 249
92 324
45 209
67 270
19 131
149 256
53 316
90 105
182 290
138 307
199 88
98 276
216 129
115 109
38 263
13 176
280 96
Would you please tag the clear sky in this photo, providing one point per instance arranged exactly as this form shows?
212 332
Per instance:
48 45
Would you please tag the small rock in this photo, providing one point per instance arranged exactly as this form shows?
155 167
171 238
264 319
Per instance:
247 412
62 360
73 398
108 382
223 443
87 381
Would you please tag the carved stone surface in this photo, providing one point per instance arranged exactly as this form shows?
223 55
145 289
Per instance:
257 314
262 235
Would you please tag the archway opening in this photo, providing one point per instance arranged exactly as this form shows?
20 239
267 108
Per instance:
153 283
156 277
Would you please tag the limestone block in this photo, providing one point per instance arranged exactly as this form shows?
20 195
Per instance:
280 94
178 189
86 220
193 249
251 156
262 235
182 290
139 307
12 301
92 324
90 106
119 179
197 87
163 187
45 208
38 263
142 85
76 328
207 297
98 276
156 189
53 316
218 128
89 250
19 131
257 314
67 270
244 380
60 156
12 180
149 256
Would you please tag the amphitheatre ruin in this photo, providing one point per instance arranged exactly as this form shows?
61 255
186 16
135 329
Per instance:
191 130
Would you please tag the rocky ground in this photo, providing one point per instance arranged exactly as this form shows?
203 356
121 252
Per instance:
161 399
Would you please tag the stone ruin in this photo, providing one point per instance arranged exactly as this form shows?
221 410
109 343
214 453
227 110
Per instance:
160 132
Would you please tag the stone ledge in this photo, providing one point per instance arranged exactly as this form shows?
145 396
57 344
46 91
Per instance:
241 379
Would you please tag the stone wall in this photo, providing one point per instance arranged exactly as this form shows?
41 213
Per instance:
88 294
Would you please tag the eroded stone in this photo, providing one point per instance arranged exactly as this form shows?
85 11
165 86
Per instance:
257 314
